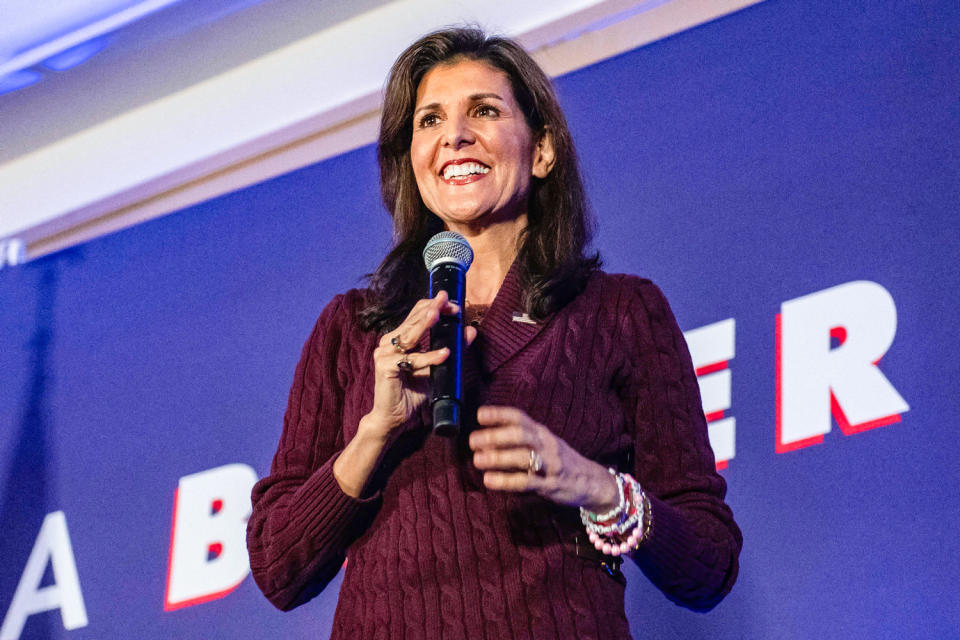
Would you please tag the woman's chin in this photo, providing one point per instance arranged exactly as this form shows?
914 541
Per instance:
475 219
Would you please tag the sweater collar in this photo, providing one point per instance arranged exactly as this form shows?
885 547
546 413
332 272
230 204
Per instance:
506 329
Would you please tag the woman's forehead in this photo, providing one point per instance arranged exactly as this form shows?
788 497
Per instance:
463 79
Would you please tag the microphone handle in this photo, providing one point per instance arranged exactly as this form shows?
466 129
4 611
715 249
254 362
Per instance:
446 378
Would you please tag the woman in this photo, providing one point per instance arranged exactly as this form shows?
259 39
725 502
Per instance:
584 440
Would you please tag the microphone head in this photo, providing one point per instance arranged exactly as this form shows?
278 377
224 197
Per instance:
447 247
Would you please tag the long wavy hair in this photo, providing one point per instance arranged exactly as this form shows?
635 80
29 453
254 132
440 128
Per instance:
553 265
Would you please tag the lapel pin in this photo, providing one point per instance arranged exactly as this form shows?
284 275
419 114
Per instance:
522 317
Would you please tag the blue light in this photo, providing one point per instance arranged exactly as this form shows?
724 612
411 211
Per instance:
77 55
18 80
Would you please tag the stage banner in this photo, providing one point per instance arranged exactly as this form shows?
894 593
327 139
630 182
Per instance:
788 175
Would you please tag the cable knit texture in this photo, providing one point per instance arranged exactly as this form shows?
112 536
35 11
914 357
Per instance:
432 553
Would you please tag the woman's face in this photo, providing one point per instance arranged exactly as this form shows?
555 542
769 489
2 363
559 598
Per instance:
472 152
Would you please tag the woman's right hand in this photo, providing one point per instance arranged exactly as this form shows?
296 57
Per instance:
397 394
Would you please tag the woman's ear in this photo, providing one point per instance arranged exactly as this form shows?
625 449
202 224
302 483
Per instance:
543 154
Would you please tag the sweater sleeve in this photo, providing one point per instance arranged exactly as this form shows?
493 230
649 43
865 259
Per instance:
302 522
694 545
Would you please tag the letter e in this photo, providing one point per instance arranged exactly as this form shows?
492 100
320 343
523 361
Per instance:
711 349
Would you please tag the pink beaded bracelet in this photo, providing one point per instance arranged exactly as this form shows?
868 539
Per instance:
631 526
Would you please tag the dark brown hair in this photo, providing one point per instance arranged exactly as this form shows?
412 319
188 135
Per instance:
553 265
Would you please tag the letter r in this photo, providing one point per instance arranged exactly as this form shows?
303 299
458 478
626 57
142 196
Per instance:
816 378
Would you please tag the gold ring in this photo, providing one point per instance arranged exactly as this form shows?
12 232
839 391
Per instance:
395 341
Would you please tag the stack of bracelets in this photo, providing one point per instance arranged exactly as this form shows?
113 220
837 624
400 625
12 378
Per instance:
626 526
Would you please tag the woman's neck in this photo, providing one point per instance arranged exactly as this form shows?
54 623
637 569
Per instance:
494 249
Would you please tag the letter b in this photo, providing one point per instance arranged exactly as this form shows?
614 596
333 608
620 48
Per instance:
208 553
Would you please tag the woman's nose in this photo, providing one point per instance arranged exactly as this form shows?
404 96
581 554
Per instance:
457 133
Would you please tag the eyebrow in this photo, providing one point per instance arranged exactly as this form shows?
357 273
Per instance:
472 98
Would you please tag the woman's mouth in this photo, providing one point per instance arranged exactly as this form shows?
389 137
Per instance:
463 172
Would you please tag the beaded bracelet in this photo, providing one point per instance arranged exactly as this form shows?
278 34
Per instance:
624 527
589 516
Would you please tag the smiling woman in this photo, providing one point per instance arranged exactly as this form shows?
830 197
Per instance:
473 153
583 437
506 89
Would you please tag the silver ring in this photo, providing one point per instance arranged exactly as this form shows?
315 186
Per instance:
395 341
535 466
404 364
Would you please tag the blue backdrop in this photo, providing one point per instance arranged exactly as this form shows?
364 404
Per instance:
774 153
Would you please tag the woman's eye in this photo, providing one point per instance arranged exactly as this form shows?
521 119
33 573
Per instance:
486 111
428 120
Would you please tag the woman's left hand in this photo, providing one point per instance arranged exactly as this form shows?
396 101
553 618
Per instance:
512 444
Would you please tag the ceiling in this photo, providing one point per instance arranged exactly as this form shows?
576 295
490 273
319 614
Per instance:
154 48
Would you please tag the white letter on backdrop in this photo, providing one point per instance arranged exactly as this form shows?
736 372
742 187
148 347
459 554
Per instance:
52 545
815 378
711 349
208 552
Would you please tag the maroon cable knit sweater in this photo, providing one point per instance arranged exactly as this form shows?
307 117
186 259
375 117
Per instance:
432 553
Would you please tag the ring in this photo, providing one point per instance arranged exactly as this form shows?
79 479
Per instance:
405 365
395 341
536 463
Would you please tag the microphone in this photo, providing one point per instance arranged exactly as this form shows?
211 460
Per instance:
447 256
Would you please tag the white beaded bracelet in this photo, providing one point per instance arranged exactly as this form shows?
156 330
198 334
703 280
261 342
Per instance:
633 515
588 517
